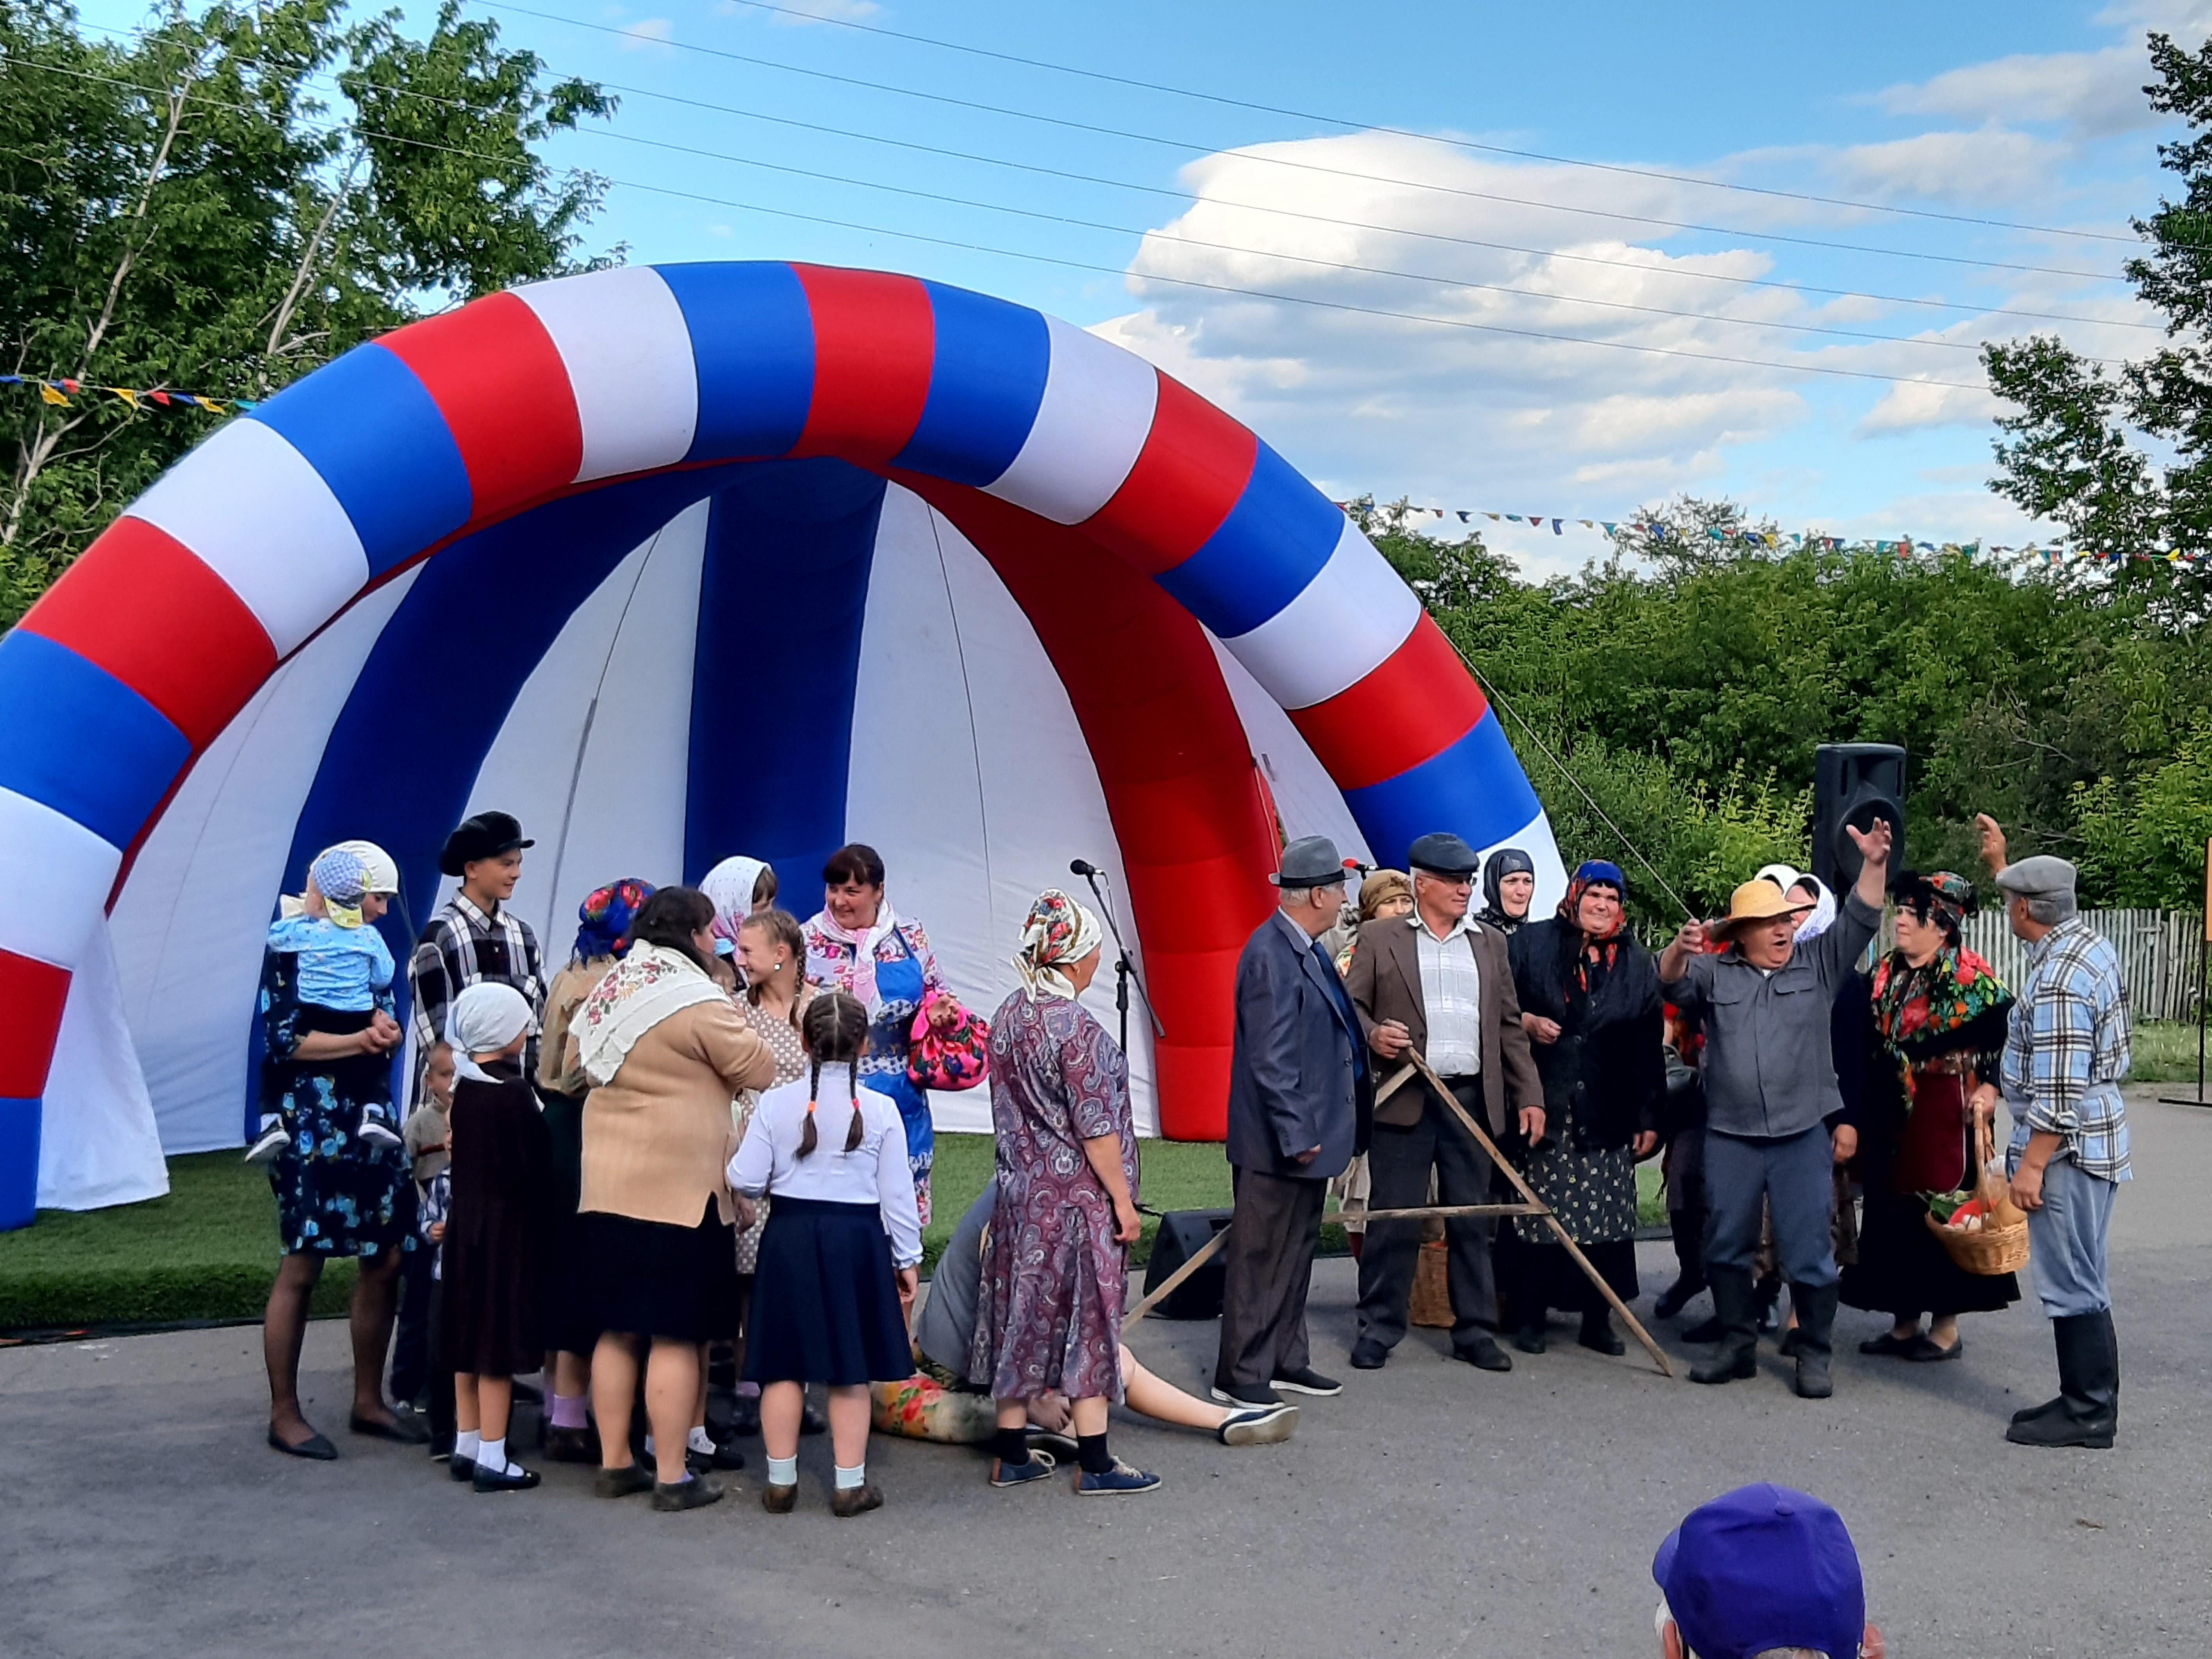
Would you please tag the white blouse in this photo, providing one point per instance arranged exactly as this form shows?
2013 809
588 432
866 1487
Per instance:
877 1172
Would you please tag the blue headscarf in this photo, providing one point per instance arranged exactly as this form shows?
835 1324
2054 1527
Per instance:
607 915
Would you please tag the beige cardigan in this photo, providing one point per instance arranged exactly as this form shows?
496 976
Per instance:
558 1068
657 1138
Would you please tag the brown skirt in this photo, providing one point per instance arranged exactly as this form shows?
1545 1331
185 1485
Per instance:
496 1232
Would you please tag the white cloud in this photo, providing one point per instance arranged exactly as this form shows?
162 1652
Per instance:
648 35
2095 94
1991 164
1436 389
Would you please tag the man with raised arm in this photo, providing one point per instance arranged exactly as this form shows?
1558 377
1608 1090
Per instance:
1771 1098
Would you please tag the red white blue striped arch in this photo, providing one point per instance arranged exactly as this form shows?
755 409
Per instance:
379 561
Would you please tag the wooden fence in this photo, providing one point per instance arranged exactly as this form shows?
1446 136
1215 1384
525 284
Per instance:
2158 952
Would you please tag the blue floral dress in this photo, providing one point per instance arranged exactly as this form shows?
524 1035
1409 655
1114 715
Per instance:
336 1194
905 973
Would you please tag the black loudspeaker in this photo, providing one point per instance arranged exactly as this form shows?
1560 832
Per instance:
1183 1234
1854 784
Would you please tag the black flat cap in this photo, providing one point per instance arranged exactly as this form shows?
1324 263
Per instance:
1443 854
485 835
1309 862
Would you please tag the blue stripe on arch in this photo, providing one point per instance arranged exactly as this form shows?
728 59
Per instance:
752 341
1273 544
367 426
790 545
985 385
1475 788
97 752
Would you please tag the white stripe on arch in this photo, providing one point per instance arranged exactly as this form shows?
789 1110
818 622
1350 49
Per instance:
622 337
1350 617
1093 422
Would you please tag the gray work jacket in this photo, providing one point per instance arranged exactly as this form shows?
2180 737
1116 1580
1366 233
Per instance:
1769 1069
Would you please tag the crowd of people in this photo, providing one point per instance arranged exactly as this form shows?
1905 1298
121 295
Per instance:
708 1134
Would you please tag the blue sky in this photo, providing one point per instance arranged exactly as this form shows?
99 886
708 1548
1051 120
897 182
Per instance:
2027 113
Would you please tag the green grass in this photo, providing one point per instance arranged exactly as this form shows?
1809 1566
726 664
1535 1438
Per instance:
207 1251
2162 1051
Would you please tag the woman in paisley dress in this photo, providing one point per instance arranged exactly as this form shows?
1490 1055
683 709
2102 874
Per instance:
337 1195
1939 1029
1590 1003
1055 1262
858 944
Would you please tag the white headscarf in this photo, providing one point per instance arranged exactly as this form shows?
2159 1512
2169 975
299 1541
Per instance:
730 886
1823 916
645 987
484 1019
1780 874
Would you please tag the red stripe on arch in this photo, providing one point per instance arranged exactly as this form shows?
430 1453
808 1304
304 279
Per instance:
875 345
1176 769
1412 707
499 381
1191 471
186 643
33 992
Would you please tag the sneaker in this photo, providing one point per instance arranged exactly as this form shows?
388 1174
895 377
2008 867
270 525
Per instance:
266 1145
1261 1425
375 1133
1253 1395
1004 1474
1307 1380
1119 1478
1060 1448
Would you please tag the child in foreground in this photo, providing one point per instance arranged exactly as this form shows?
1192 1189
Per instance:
838 1255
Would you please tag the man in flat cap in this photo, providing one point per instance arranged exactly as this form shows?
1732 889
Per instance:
473 938
1770 1097
2065 1053
1299 1104
1438 983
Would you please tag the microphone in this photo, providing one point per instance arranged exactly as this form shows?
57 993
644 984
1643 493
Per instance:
1084 867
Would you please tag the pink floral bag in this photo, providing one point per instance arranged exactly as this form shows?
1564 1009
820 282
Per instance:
957 1058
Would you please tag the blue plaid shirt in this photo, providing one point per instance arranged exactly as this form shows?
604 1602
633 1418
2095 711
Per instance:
2066 1051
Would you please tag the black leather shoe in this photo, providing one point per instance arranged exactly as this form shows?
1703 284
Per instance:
1890 1344
316 1448
622 1483
461 1467
517 1478
1599 1334
405 1428
1483 1354
1529 1338
1367 1356
693 1494
1676 1297
572 1446
1307 1380
2089 1406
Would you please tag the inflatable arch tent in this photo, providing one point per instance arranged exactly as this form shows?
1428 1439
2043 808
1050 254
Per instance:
675 563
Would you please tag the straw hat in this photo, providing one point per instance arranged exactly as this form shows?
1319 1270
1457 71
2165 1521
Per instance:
1757 900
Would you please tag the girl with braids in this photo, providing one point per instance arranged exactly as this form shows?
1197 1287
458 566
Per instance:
838 1256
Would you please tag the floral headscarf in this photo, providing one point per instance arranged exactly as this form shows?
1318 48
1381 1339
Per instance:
1059 931
604 918
1942 898
729 887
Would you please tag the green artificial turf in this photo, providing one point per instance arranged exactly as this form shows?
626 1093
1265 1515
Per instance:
207 1251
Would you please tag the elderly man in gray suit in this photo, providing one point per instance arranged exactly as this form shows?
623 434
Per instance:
1300 1100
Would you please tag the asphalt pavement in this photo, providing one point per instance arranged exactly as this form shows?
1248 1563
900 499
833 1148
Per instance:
1431 1510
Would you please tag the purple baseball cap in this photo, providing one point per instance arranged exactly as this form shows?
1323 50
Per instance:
1763 1567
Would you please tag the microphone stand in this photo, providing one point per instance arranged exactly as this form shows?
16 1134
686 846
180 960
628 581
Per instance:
1125 971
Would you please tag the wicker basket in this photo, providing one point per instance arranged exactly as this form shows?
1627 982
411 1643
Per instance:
2000 1244
1430 1303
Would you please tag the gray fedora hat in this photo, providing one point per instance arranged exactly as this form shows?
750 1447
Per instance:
1309 862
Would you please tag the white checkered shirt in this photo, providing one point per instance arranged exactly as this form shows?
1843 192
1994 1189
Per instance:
1451 997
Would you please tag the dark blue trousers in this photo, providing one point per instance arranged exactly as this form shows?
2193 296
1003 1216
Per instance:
1796 1175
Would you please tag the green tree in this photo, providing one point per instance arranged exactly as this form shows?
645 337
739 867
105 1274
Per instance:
229 198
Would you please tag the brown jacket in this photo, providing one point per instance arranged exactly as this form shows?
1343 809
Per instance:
1385 982
657 1138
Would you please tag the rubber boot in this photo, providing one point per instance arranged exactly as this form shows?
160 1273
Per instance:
1815 1308
1737 1308
1689 1230
2088 1387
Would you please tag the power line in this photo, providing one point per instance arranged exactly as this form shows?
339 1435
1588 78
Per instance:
1642 269
1311 166
1426 137
939 197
